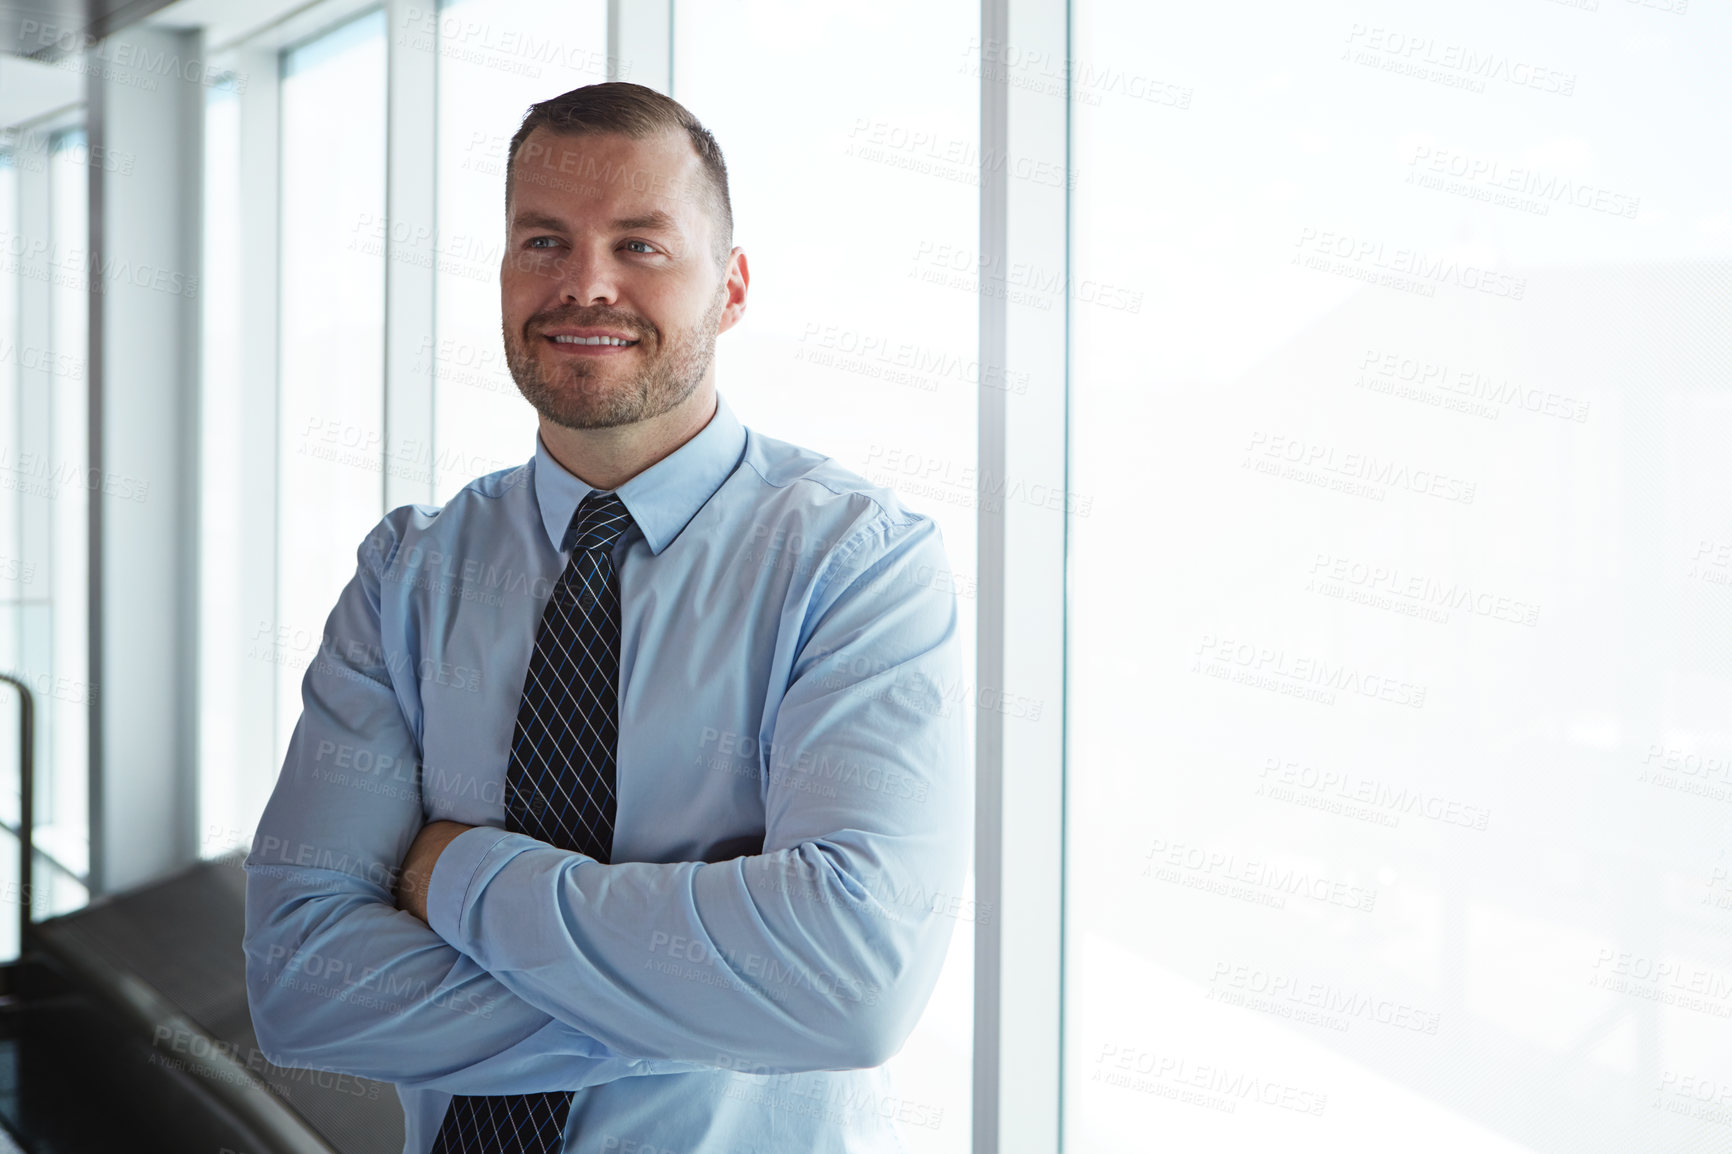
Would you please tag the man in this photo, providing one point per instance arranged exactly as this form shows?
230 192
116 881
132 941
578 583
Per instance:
625 780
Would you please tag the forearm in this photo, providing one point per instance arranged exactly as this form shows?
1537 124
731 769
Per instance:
780 961
342 981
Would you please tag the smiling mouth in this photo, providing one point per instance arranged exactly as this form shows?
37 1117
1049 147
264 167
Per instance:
593 342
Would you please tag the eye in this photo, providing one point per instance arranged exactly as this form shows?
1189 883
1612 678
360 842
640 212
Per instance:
531 242
647 246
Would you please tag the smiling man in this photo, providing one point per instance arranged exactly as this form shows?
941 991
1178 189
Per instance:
586 363
627 782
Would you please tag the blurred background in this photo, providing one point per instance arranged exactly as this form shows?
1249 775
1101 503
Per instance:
1323 406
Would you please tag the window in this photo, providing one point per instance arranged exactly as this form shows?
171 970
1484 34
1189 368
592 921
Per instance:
331 400
226 642
1396 684
45 502
15 572
861 330
63 814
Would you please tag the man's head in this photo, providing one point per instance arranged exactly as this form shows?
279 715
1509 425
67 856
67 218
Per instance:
618 223
628 110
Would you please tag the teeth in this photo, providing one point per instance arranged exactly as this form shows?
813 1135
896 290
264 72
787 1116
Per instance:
593 341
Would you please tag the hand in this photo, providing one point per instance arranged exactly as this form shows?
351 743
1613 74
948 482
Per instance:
418 864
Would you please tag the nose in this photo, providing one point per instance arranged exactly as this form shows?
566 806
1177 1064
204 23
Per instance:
586 277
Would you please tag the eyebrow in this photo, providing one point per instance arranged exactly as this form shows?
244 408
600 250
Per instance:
654 219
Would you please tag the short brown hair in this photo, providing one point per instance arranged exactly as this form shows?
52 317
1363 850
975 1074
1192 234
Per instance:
637 112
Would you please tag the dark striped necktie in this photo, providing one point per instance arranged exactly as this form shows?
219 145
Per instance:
559 786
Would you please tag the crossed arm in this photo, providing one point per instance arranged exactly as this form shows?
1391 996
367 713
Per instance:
338 977
418 864
790 959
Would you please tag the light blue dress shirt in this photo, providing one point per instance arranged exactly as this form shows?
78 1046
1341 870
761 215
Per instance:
794 813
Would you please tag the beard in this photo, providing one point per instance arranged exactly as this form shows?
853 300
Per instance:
583 393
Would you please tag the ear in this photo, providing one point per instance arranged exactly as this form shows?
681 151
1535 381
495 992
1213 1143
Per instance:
735 279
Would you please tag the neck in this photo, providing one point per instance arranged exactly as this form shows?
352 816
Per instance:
608 458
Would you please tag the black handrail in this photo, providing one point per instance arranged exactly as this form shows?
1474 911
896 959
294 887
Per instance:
26 801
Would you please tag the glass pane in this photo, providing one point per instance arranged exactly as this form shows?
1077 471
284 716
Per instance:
13 585
44 507
63 812
330 483
225 818
1397 706
859 340
525 51
13 569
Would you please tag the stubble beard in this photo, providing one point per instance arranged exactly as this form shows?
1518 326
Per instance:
579 394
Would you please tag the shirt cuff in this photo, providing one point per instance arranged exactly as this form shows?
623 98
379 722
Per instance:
454 873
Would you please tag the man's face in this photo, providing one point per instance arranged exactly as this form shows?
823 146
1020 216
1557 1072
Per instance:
607 236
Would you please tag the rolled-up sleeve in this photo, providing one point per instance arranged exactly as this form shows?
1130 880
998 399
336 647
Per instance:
819 952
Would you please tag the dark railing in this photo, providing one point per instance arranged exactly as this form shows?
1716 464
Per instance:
26 801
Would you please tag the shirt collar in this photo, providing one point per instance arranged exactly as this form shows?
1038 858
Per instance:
663 498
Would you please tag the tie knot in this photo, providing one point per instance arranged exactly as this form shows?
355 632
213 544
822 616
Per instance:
599 521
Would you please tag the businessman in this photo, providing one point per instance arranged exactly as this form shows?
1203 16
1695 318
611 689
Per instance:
628 781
